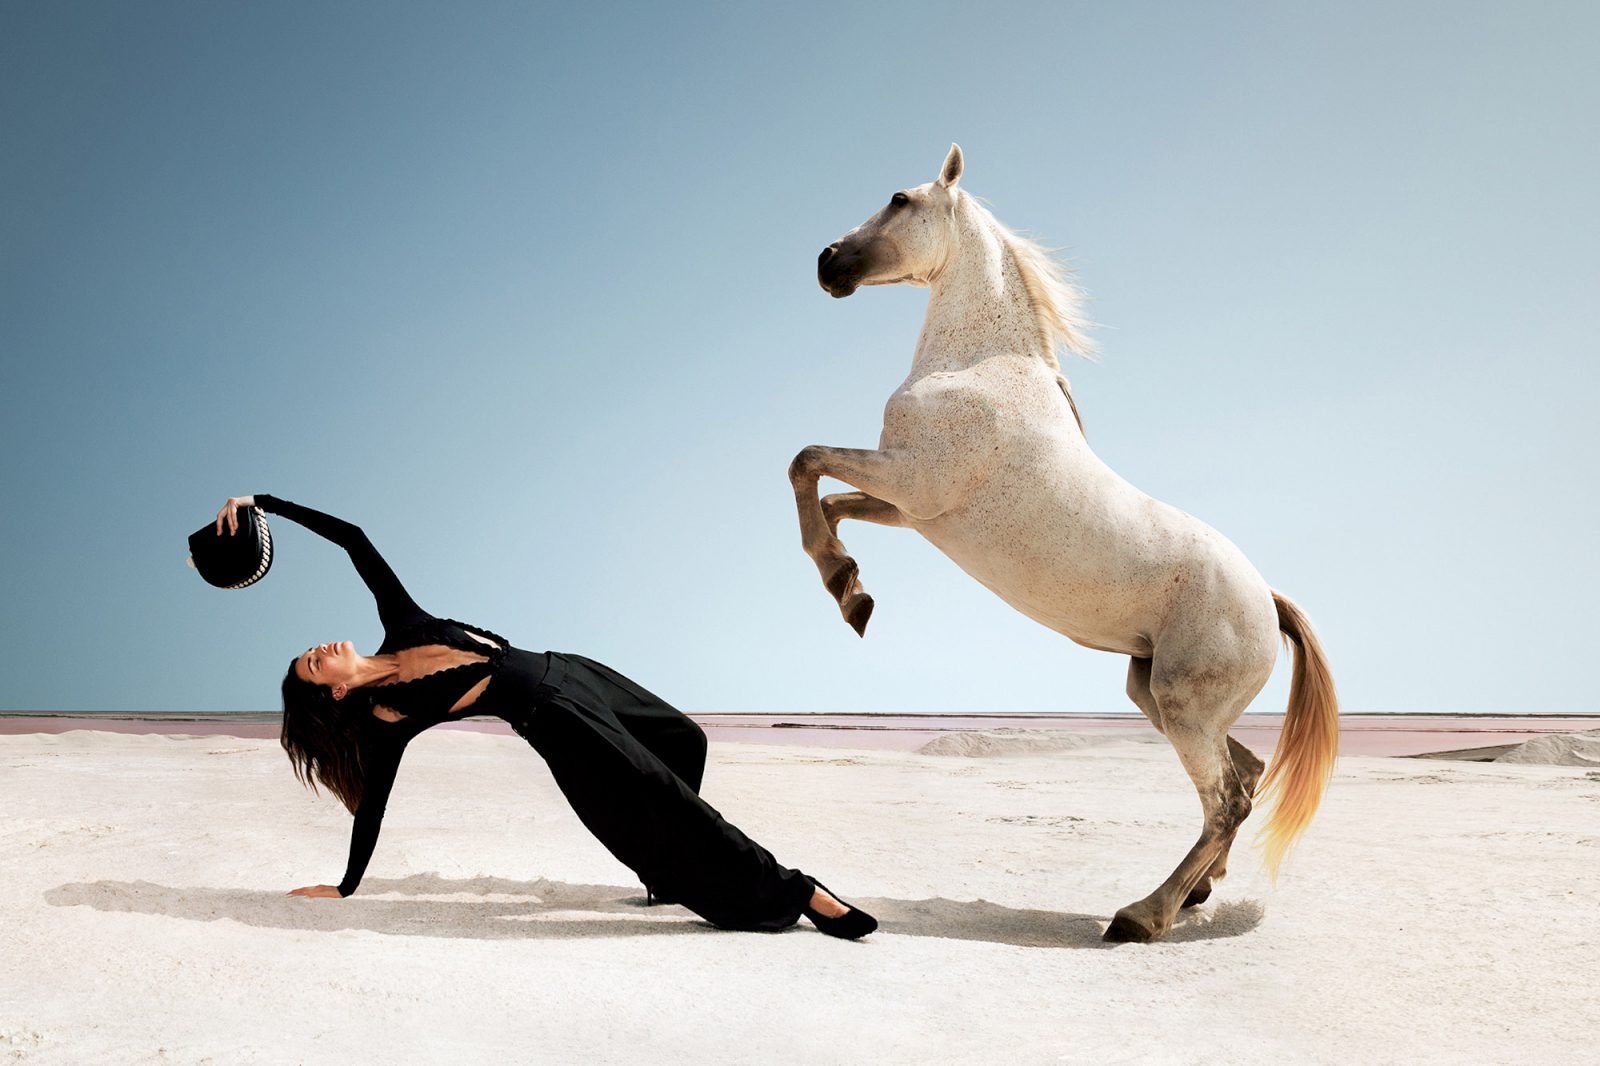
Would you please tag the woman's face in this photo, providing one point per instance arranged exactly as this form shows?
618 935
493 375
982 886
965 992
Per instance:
333 665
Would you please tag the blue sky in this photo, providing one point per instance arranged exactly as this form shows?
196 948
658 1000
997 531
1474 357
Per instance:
529 293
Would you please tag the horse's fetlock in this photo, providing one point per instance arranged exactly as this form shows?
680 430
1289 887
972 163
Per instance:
838 583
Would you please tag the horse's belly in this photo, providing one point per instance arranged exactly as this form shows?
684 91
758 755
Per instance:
1087 607
1102 631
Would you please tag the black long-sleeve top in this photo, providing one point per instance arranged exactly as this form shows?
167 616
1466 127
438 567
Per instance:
425 701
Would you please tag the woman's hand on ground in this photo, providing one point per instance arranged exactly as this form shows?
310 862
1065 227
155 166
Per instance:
230 513
317 892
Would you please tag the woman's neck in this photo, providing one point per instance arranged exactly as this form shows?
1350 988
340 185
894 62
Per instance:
376 670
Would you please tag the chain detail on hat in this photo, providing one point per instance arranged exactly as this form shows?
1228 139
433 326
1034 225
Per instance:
266 550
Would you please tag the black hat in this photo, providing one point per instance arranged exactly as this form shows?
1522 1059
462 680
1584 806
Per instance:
233 561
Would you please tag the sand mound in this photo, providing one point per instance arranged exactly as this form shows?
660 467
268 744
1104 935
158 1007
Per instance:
987 743
1558 749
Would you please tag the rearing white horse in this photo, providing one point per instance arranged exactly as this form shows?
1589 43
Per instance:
982 452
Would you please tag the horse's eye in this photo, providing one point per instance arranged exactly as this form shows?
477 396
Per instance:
899 199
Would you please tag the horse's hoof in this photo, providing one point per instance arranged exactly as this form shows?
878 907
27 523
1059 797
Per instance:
1124 930
858 614
1198 895
838 583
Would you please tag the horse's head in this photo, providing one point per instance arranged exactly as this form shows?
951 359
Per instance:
907 241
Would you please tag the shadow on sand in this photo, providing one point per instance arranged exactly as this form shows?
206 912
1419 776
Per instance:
492 908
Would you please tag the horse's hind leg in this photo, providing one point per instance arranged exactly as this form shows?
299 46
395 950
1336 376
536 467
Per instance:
1205 757
1193 708
1247 769
861 507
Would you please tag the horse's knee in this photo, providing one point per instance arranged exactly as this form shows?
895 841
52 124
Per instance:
807 463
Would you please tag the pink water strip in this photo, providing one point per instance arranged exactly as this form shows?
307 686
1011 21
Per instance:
1360 734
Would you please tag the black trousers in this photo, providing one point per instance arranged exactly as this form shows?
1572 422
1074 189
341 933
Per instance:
631 765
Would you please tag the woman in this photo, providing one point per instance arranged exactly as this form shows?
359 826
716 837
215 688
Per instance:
627 761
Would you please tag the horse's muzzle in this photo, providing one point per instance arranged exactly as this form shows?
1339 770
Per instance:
839 275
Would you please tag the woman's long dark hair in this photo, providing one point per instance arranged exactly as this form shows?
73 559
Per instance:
324 737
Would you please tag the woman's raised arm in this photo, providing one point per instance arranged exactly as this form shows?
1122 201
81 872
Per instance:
395 606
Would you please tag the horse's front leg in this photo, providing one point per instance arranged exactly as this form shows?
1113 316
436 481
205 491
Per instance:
875 472
861 507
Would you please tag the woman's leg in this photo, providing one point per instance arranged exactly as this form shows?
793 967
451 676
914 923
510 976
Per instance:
648 816
666 732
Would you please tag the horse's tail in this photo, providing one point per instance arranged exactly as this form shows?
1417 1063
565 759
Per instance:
1303 760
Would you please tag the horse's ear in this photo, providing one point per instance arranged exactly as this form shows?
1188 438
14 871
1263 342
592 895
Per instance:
950 173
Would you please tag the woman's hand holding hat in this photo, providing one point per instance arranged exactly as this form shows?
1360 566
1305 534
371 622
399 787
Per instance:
230 512
242 557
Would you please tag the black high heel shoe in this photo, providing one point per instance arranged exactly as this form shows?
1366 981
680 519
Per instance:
853 924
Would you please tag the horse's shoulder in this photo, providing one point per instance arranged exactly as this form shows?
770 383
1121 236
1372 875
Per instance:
937 395
940 411
941 388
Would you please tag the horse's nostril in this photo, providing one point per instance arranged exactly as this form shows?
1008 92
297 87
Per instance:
827 254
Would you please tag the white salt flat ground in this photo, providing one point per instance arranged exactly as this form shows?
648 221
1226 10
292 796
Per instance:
1435 912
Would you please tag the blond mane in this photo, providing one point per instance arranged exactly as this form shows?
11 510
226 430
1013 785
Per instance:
1057 302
